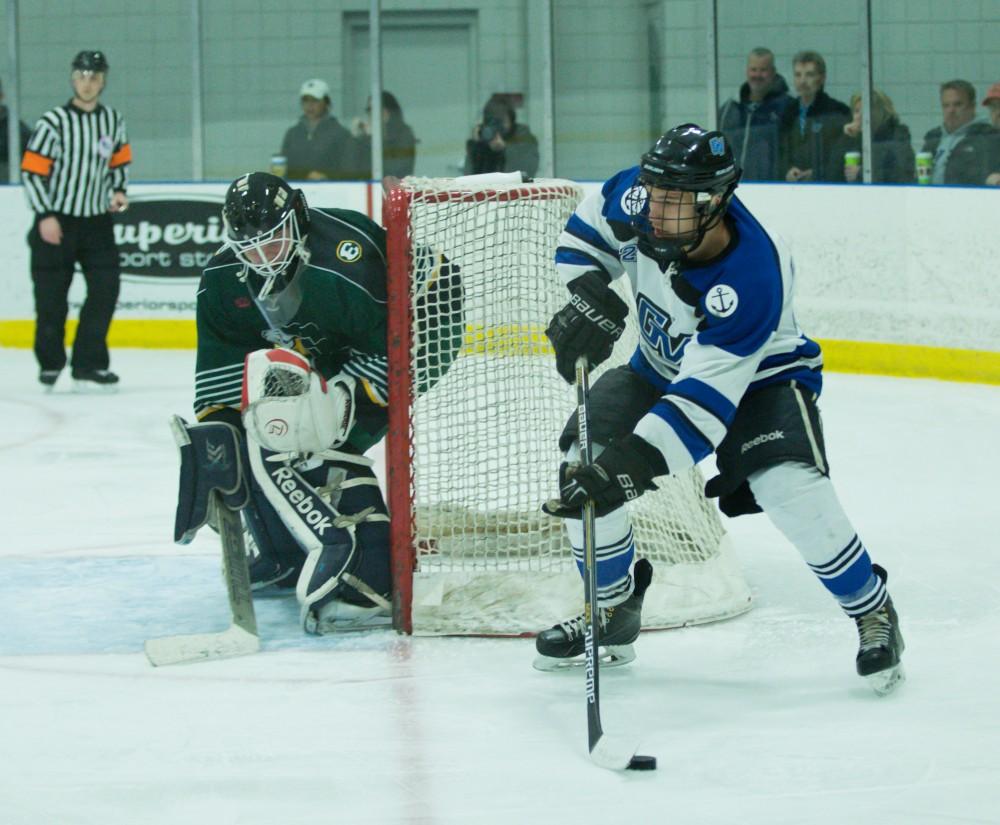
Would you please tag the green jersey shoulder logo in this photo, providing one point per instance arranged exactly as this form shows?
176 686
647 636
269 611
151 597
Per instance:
349 251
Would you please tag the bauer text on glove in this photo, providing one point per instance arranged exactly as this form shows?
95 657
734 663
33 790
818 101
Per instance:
588 325
624 471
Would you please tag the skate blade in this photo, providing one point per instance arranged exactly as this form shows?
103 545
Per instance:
611 656
886 681
93 388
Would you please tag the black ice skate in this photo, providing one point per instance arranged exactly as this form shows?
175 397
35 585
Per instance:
881 647
94 381
561 646
47 378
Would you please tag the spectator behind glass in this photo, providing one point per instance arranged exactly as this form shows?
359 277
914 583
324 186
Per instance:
399 146
811 126
966 151
992 103
23 129
499 143
892 153
752 123
318 147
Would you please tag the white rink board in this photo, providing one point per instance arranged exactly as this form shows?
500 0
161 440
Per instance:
896 264
141 298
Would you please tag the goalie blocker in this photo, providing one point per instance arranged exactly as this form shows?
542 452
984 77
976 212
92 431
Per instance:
213 489
211 461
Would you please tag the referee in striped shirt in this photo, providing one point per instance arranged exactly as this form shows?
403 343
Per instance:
75 175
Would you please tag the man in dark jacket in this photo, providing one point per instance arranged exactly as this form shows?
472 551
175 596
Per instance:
318 147
499 143
752 122
965 150
811 126
25 134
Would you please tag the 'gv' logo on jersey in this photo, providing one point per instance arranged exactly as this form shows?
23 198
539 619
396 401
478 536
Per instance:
653 325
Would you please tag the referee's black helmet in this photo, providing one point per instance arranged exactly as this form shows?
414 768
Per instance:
90 60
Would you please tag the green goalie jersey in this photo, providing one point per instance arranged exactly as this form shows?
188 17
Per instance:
333 310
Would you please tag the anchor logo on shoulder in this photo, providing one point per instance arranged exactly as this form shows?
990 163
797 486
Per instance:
721 300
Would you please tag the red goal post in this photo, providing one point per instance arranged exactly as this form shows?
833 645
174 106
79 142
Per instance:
471 457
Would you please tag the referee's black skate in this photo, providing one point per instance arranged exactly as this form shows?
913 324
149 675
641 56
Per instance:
48 378
561 646
95 381
881 646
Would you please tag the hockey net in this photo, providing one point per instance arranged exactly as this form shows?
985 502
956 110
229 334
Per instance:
471 459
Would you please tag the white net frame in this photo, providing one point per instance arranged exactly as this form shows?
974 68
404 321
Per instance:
482 447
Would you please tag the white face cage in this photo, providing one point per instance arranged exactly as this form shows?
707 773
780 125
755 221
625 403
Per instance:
271 253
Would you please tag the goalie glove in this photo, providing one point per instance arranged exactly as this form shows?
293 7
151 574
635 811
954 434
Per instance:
588 325
290 408
624 471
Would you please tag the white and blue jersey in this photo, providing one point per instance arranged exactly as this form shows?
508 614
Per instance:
708 333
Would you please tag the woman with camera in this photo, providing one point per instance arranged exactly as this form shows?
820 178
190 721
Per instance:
499 143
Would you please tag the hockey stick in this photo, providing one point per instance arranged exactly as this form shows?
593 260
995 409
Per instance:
611 753
241 637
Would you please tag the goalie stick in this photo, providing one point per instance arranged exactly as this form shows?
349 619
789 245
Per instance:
241 637
612 753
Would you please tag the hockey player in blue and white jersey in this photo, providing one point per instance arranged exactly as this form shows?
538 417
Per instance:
721 366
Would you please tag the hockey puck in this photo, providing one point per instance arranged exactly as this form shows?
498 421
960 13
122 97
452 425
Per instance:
642 763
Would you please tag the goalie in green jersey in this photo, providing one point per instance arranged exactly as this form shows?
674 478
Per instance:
292 351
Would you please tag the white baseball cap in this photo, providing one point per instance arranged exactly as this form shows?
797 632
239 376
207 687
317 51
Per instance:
316 88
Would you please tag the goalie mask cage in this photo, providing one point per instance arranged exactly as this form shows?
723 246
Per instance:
471 458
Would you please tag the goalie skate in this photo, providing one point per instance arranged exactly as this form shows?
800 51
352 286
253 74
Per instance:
342 617
562 646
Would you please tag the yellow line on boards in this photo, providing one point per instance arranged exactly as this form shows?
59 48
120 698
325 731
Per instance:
865 357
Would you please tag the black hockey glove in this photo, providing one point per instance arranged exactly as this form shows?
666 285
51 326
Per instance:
588 325
624 471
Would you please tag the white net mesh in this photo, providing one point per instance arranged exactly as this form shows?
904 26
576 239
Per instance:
484 438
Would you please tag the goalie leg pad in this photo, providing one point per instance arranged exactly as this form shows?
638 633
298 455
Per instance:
278 558
359 598
327 536
301 508
211 459
360 498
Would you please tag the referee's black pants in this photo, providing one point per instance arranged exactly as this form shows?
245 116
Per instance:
91 242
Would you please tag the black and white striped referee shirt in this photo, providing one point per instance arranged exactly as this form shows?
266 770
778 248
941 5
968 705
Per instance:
75 160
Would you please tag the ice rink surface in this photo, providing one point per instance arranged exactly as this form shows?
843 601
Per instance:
756 720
